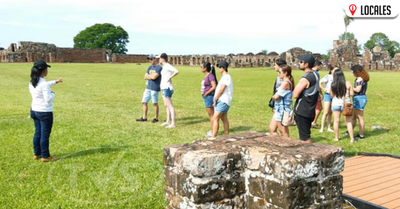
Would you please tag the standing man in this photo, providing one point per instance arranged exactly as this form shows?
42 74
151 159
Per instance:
318 108
306 94
153 79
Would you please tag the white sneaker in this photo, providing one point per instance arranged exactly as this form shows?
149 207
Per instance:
321 130
164 124
330 130
170 126
209 134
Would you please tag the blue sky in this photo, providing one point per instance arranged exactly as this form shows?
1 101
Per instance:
192 27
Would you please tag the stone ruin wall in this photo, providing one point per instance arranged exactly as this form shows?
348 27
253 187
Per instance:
344 54
251 170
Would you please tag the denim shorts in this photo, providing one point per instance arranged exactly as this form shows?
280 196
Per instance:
359 102
167 93
147 94
208 100
337 108
327 97
221 107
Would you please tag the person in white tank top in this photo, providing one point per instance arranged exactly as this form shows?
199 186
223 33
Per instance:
341 88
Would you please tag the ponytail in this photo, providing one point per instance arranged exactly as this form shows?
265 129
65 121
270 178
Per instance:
35 75
210 68
288 70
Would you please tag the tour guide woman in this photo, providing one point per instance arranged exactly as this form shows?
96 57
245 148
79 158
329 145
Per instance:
42 109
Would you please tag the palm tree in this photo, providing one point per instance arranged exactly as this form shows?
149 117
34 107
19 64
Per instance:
347 20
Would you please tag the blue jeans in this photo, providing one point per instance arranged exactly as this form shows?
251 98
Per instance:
43 124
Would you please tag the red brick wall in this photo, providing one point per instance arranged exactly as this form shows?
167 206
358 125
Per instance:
81 55
130 58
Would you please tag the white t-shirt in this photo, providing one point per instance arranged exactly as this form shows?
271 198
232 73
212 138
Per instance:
167 71
327 80
42 97
226 96
339 101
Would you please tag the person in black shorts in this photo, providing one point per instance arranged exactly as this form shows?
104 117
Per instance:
306 94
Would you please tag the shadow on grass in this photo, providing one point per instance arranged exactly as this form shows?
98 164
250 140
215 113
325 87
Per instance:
193 120
81 153
240 128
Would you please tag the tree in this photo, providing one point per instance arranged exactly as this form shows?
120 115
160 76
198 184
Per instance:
103 36
264 51
380 39
350 36
347 19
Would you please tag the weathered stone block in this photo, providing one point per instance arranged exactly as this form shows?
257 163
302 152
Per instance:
272 172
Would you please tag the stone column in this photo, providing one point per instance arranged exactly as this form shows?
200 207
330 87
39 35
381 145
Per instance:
252 170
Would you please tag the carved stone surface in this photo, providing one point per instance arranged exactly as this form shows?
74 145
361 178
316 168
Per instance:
252 170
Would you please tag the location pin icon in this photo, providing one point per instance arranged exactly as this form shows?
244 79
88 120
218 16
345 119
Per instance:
352 8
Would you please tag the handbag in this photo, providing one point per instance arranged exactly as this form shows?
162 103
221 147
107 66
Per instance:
271 103
347 108
287 117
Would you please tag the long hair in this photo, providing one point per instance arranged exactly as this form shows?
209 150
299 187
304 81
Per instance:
35 75
339 84
210 68
331 67
280 62
288 70
359 71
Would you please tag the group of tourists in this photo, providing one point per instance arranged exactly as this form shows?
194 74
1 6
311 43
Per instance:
217 96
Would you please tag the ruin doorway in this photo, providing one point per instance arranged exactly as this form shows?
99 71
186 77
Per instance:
107 57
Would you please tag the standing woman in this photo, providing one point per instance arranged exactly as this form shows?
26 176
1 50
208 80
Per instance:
327 81
222 99
208 86
273 126
360 97
167 89
283 98
42 109
341 92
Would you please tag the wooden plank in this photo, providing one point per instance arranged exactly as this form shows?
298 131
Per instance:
360 161
376 192
371 162
390 180
361 180
371 168
376 172
386 198
392 204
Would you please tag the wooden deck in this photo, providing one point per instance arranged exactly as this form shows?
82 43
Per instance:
375 179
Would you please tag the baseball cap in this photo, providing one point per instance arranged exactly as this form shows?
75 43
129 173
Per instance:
307 58
40 64
151 56
223 64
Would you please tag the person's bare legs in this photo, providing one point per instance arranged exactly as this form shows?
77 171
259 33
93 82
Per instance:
156 110
171 110
283 129
216 117
225 121
273 127
317 112
144 105
336 120
210 112
168 121
361 125
349 120
327 109
329 121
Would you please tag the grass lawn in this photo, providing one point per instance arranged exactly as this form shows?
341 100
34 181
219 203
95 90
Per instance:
108 160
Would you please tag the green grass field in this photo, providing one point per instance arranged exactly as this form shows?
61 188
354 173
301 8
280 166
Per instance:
108 160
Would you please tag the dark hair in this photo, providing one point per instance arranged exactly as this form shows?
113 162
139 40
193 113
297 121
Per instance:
280 62
339 84
317 63
210 68
331 67
359 71
35 75
288 70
